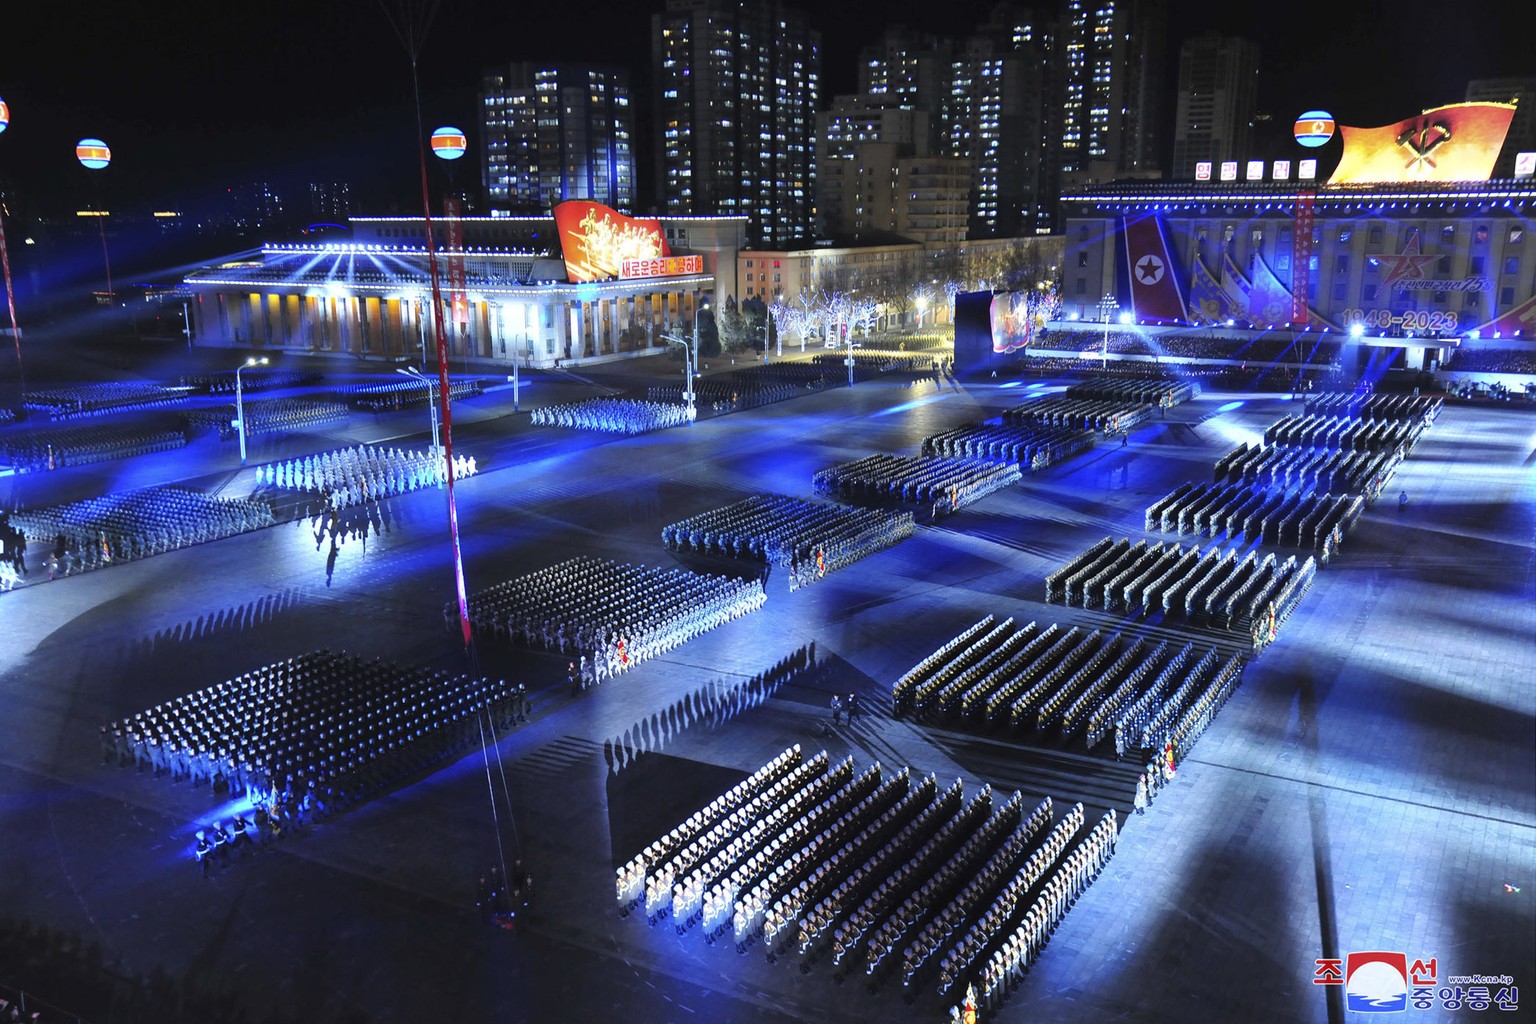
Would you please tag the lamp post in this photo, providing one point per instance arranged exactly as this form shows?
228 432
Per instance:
693 412
240 400
1107 306
412 372
766 333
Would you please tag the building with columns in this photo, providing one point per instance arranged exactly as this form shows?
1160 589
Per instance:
371 296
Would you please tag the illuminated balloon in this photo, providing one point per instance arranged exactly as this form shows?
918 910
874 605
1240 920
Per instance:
1314 128
449 143
93 154
5 115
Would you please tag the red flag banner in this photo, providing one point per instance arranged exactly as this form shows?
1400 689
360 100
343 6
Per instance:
1458 142
1155 293
597 242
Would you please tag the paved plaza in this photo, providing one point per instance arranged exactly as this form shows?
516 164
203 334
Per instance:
1371 785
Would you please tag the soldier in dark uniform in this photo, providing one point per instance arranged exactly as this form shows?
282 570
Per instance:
204 851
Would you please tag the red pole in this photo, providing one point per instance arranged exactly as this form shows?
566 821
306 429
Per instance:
442 377
10 300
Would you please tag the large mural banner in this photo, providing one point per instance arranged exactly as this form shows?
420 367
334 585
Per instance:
1155 290
1457 142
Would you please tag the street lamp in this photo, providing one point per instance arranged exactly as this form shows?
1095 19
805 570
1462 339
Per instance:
1107 306
766 332
412 372
688 357
240 402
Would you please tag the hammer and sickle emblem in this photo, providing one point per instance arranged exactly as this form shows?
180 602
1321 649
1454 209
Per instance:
1424 139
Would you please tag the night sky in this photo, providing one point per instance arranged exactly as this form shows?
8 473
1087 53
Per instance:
192 96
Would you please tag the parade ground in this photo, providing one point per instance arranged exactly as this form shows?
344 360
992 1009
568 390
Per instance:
1371 786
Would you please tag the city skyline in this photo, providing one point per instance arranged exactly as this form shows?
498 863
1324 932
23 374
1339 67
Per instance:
324 94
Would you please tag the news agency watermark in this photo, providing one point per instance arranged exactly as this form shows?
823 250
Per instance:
1381 981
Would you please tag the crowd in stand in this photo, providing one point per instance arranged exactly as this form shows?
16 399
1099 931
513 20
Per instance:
1311 348
1027 445
404 394
814 859
809 538
942 485
364 472
270 415
612 415
223 381
134 524
57 447
316 732
613 615
95 399
1493 360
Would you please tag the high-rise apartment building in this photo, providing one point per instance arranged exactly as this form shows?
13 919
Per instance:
912 69
1522 129
857 144
737 85
1217 98
330 200
987 103
549 134
1112 67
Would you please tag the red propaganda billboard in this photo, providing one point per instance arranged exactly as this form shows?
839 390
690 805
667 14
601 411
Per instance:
1458 142
597 242
662 266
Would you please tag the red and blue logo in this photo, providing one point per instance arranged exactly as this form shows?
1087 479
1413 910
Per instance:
1376 982
1314 128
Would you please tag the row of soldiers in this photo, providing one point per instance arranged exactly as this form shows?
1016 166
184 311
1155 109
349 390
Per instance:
99 531
320 722
810 538
365 472
612 416
1006 967
817 858
618 615
945 484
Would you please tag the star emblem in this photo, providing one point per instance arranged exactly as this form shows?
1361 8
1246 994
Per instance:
1408 265
1149 269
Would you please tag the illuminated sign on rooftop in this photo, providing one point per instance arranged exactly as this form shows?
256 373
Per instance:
597 241
1457 142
